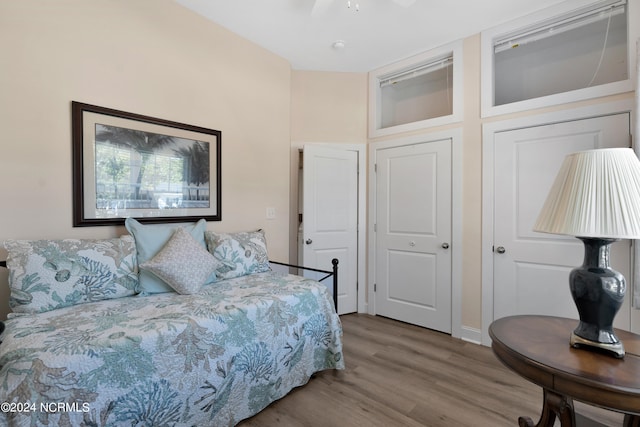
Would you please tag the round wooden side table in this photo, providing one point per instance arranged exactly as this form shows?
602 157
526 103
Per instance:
537 348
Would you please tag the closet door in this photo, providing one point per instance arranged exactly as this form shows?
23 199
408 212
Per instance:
531 269
413 223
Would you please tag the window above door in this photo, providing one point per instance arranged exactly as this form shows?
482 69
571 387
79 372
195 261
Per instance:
419 92
567 53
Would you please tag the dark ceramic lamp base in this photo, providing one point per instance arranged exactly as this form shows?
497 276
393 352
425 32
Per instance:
598 292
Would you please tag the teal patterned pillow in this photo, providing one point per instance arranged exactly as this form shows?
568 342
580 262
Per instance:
183 263
240 253
48 274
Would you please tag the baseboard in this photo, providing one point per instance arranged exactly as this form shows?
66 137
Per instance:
472 335
468 334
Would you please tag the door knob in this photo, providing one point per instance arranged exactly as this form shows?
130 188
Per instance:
501 249
308 241
445 245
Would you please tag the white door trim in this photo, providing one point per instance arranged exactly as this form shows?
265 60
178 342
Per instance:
488 132
456 218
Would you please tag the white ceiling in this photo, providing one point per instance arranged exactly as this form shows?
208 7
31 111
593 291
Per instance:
380 33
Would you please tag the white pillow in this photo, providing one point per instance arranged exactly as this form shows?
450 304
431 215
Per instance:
183 263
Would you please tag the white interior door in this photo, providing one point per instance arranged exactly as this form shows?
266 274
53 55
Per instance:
531 270
330 217
413 234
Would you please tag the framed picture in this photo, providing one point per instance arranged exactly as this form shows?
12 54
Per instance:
154 170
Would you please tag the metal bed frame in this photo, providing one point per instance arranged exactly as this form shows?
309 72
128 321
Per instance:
333 273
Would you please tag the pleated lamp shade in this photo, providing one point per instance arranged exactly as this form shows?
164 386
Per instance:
596 194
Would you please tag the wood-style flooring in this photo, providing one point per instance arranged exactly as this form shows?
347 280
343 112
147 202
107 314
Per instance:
403 375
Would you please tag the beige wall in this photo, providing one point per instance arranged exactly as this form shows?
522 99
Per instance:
326 107
150 57
472 188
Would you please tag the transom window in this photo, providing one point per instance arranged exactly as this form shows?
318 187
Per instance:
583 52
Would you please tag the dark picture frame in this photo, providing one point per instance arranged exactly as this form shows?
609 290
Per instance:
151 169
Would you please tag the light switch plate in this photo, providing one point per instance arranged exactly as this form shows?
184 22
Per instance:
271 213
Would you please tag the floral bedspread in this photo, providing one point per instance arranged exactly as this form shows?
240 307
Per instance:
210 359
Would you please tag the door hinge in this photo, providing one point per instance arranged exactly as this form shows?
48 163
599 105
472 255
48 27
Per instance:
375 287
375 167
375 227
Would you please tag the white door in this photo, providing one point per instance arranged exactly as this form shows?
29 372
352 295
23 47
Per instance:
330 217
413 234
531 270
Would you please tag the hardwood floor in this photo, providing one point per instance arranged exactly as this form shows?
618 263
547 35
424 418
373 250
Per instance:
403 375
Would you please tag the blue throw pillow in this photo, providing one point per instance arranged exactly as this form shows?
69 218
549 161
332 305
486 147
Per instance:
150 239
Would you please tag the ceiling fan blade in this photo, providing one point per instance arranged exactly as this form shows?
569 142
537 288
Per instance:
320 6
404 3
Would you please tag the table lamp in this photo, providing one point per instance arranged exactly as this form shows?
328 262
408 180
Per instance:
596 198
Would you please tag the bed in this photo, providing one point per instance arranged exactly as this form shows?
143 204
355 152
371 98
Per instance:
211 358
